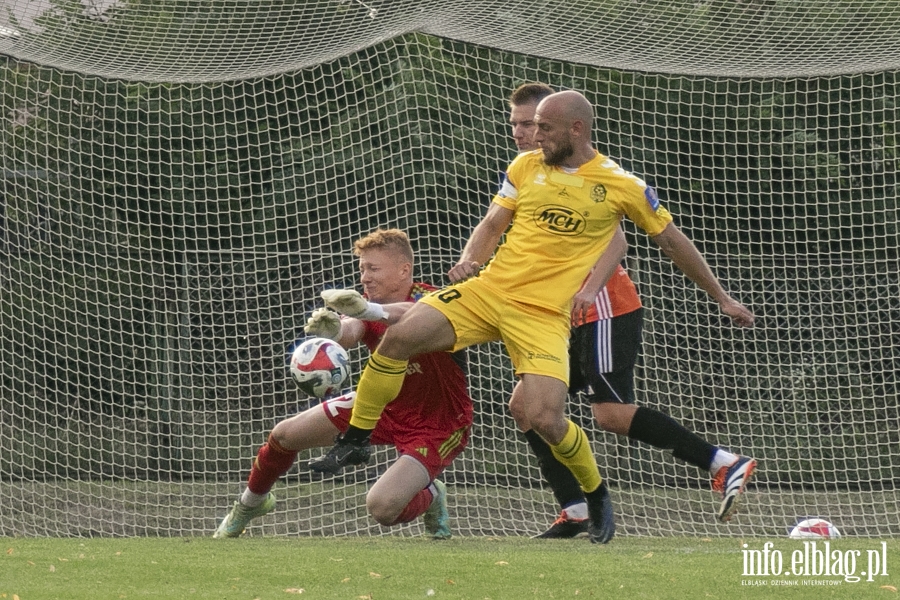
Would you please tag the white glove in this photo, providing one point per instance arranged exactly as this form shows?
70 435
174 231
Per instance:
323 323
352 304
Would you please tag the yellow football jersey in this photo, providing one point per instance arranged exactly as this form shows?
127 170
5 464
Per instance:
563 222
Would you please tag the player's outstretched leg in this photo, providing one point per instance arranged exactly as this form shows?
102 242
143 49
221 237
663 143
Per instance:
236 520
437 517
731 481
603 520
345 452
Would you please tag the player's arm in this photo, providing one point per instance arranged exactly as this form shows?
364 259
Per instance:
600 274
353 330
348 331
391 313
482 243
686 257
354 306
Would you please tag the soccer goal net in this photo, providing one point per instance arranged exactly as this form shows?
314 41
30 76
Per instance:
181 179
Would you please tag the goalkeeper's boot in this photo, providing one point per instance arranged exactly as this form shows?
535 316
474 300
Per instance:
437 519
342 454
731 481
564 527
603 520
236 520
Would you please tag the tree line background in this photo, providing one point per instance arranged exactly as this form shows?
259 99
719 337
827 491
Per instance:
161 245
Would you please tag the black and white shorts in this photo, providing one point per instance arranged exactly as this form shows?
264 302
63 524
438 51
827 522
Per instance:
602 356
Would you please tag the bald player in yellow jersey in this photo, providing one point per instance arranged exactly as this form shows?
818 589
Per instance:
603 348
564 203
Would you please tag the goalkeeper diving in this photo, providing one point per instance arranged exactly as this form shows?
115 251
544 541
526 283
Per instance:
428 424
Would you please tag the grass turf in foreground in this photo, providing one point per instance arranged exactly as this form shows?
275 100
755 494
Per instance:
394 568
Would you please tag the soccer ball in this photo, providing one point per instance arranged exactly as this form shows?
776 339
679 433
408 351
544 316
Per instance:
814 529
320 366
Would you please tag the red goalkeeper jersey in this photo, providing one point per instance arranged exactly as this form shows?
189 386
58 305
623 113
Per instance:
435 392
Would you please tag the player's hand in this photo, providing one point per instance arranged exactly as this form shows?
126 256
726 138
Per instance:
463 270
352 304
581 304
324 323
346 302
739 313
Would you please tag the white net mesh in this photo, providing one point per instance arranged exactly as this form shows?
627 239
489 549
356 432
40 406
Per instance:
215 40
175 195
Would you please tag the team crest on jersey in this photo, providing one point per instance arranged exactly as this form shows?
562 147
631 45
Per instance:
559 220
652 198
598 193
418 291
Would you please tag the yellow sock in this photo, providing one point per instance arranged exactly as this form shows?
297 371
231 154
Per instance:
380 383
574 451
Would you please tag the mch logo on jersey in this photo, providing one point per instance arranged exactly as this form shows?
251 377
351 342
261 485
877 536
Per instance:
560 220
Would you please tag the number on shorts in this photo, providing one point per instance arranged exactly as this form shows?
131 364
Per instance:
335 405
449 296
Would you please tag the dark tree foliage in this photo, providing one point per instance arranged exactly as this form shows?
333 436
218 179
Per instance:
151 233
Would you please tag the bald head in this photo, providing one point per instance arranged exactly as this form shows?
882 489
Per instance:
564 124
567 106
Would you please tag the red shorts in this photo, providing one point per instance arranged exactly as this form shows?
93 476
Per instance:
433 446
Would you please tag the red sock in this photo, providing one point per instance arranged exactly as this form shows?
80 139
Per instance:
418 505
272 461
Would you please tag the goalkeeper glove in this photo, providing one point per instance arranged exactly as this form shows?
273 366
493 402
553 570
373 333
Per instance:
352 304
324 323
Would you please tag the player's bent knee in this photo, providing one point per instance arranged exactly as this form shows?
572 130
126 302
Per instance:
381 509
281 433
610 418
550 427
604 419
304 430
517 410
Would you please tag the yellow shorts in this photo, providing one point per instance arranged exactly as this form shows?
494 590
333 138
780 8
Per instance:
536 339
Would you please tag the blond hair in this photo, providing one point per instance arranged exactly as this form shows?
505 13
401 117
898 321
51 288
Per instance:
385 239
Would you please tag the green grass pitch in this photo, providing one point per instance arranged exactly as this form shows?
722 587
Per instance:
397 568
